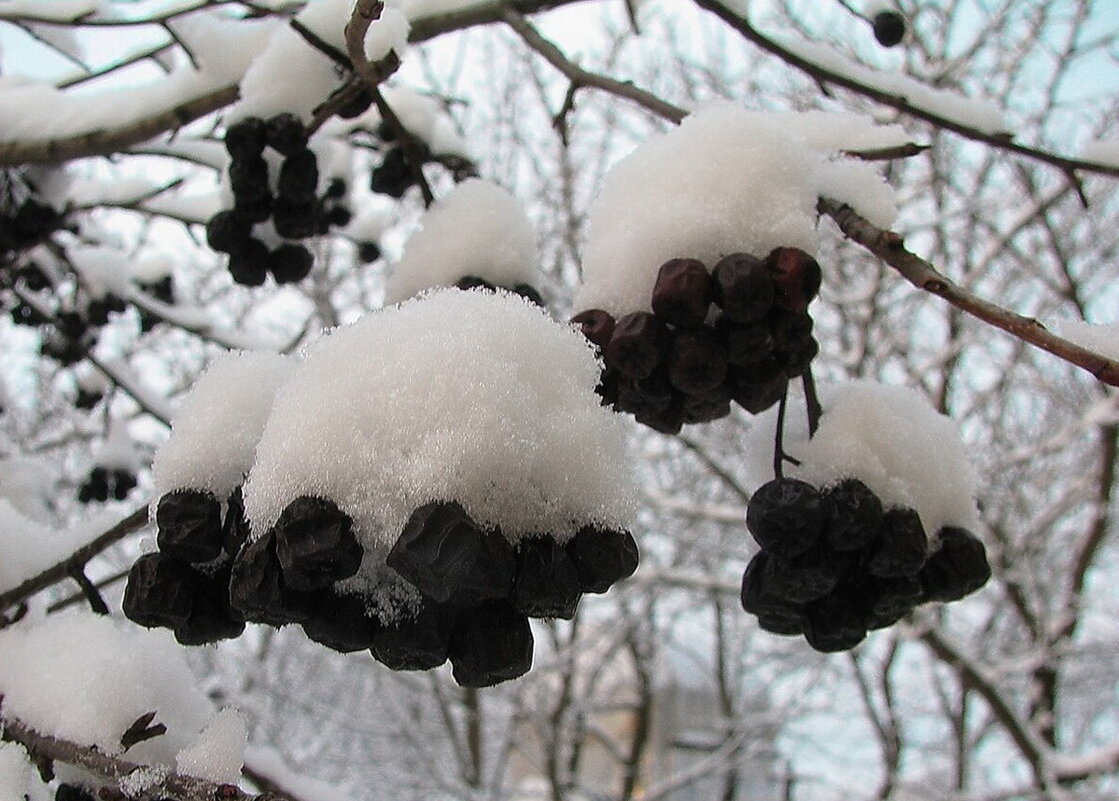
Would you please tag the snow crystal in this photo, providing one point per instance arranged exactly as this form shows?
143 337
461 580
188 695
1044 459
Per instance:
472 396
217 754
87 678
141 780
28 547
892 440
478 229
726 180
1103 339
215 430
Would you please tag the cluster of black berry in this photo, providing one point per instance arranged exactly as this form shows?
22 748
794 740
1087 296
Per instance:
834 563
479 591
103 483
296 210
738 333
184 585
526 291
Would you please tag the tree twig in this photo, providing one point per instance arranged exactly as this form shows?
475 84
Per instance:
43 748
60 571
890 248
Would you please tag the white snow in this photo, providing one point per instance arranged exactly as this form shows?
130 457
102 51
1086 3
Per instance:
725 180
28 485
35 110
971 112
1102 338
15 771
87 678
275 766
118 450
472 396
103 269
477 229
215 430
888 437
141 780
289 76
54 11
28 547
217 754
1102 151
426 119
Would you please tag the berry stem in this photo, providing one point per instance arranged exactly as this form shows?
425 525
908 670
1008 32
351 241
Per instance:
811 402
779 435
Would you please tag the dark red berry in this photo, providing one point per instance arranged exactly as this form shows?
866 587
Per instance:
597 326
637 345
796 278
682 292
316 544
160 591
696 362
743 287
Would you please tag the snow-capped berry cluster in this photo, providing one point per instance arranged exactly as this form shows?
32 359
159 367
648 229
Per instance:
296 210
834 563
738 333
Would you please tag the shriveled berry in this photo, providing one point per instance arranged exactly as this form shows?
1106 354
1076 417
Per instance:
227 233
72 792
705 407
235 527
889 28
743 288
444 554
796 278
160 591
416 642
833 624
649 395
188 525
637 345
249 265
475 282
211 617
755 595
294 220
853 514
806 577
744 343
666 421
286 134
682 292
785 516
696 362
249 179
299 177
245 138
316 544
290 263
602 557
547 584
257 590
597 326
958 566
340 622
490 644
529 293
904 545
888 600
755 396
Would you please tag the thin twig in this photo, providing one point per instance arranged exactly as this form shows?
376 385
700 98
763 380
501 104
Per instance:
1002 141
890 248
62 570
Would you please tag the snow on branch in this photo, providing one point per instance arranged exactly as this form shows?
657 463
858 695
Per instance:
890 248
862 81
75 561
46 750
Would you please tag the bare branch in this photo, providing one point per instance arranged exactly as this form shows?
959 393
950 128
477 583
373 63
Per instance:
890 248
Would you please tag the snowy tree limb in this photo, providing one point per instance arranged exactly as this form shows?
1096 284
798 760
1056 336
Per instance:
1002 141
580 77
45 750
77 560
890 248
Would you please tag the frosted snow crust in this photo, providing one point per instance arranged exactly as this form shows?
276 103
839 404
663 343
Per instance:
726 180
477 229
472 396
898 445
215 430
217 754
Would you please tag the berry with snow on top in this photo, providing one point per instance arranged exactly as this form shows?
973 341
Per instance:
596 325
340 623
903 547
249 265
257 590
188 524
416 642
315 543
682 293
160 591
742 287
285 133
211 617
853 515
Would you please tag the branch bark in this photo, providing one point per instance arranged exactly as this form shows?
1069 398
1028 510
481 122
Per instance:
890 248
